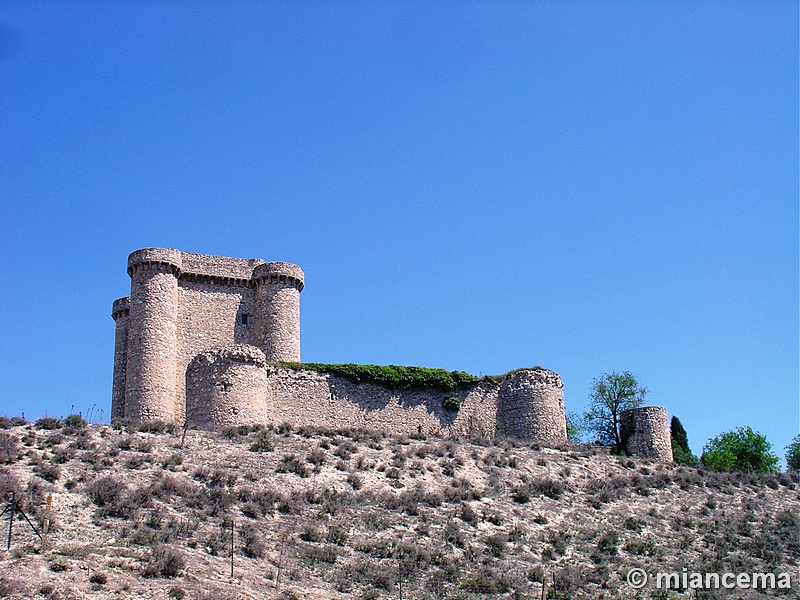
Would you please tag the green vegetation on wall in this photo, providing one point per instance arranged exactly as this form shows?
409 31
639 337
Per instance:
393 376
451 403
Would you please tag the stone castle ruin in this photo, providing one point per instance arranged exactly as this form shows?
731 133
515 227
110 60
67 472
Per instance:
645 432
209 340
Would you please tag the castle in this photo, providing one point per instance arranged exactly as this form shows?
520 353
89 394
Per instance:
201 340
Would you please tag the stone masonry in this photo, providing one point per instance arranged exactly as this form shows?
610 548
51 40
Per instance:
200 339
183 303
645 432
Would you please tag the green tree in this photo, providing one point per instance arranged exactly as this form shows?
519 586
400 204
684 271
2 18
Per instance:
610 395
681 453
740 450
793 454
575 427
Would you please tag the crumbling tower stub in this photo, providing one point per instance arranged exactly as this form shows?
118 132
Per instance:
532 406
645 432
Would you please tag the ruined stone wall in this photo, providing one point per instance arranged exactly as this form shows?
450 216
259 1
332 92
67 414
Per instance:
227 387
324 400
645 432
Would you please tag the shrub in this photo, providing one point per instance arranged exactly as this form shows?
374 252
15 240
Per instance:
291 464
552 488
9 448
683 457
106 491
317 457
48 423
253 542
337 535
537 574
486 582
215 477
156 427
172 461
346 449
47 471
264 442
520 495
741 450
59 565
113 498
355 481
451 403
316 554
176 593
633 524
75 422
164 561
311 534
607 544
98 578
496 544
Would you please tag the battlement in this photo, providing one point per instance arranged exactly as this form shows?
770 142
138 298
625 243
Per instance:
121 307
163 258
280 271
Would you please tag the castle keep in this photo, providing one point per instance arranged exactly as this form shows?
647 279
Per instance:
200 339
182 304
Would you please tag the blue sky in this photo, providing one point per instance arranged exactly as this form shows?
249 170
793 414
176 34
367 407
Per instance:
587 186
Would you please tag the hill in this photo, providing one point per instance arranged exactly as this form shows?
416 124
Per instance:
141 512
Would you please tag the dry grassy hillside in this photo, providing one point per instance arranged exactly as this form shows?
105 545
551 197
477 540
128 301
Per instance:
353 514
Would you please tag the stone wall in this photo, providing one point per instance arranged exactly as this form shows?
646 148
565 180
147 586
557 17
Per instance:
645 432
231 386
210 316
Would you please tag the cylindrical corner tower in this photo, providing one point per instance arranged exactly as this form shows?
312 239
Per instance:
277 319
152 335
531 403
119 312
645 432
227 386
